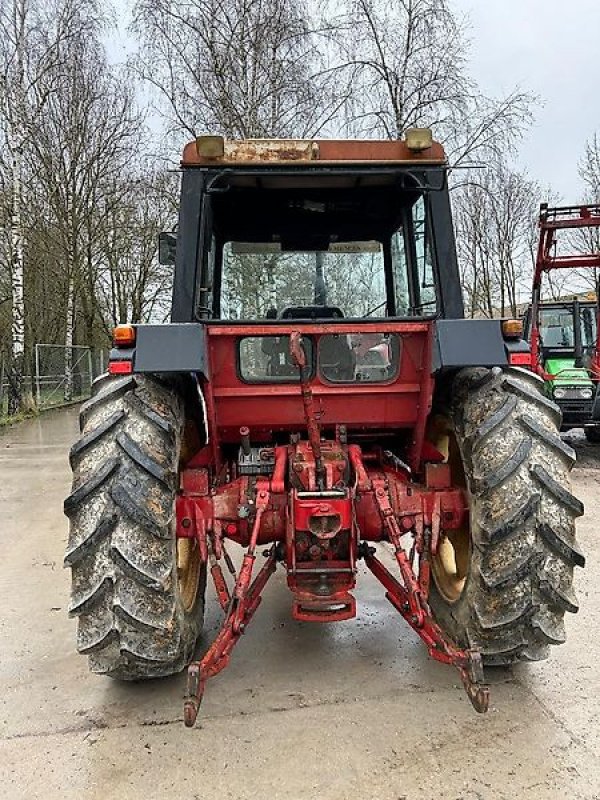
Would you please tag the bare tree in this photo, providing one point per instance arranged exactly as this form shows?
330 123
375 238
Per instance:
84 203
31 38
495 221
131 284
404 63
244 68
589 169
587 240
14 84
85 139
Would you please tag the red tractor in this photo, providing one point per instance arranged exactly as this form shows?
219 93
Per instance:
317 396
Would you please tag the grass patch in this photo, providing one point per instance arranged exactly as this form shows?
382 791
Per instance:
7 420
13 419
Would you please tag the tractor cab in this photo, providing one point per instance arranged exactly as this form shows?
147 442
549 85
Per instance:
350 245
567 344
314 230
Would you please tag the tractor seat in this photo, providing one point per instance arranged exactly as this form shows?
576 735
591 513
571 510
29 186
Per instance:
312 312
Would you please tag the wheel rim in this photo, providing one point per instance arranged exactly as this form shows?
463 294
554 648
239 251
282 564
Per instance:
189 564
450 564
188 572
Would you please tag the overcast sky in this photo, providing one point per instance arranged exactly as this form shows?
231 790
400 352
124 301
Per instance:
551 47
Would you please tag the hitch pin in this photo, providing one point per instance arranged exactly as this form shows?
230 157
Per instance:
245 440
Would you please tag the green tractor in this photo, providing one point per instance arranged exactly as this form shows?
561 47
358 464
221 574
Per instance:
564 334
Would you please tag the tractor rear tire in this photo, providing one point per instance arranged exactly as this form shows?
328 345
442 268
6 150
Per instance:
137 618
518 576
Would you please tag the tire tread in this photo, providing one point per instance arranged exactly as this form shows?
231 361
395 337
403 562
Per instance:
520 583
131 623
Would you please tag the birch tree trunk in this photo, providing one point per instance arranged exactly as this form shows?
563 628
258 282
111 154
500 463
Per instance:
15 376
17 133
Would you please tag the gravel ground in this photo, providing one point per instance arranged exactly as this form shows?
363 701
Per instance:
349 710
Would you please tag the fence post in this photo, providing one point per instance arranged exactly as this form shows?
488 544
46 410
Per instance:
38 393
90 369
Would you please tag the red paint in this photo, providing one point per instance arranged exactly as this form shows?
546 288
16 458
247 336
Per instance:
325 500
194 481
120 367
519 359
305 152
267 408
437 476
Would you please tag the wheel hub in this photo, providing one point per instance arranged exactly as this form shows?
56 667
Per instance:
450 564
188 571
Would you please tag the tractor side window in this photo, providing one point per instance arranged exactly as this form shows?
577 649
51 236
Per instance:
266 359
588 326
427 302
527 323
400 273
413 269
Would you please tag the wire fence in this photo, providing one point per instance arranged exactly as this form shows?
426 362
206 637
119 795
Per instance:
58 376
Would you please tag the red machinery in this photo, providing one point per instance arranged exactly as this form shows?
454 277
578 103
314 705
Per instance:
277 411
553 220
322 526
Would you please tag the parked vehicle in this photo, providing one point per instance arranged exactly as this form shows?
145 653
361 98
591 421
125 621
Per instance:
318 394
564 334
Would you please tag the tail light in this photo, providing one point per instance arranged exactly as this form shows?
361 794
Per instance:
519 359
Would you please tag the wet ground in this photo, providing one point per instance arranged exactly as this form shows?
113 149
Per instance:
350 710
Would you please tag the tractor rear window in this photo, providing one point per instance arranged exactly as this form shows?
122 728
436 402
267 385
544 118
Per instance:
262 280
359 357
264 359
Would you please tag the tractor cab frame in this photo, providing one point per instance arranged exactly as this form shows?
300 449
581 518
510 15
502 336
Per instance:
318 207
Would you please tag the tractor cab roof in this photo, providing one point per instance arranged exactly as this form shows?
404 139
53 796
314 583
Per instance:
418 147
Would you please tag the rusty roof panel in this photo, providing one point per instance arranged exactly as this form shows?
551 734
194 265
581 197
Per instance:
303 151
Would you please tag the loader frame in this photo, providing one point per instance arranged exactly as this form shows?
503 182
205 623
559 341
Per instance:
551 221
568 373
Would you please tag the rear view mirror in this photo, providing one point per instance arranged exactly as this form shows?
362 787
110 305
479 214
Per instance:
167 247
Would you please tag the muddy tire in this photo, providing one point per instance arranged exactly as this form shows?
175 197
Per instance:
134 618
519 579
